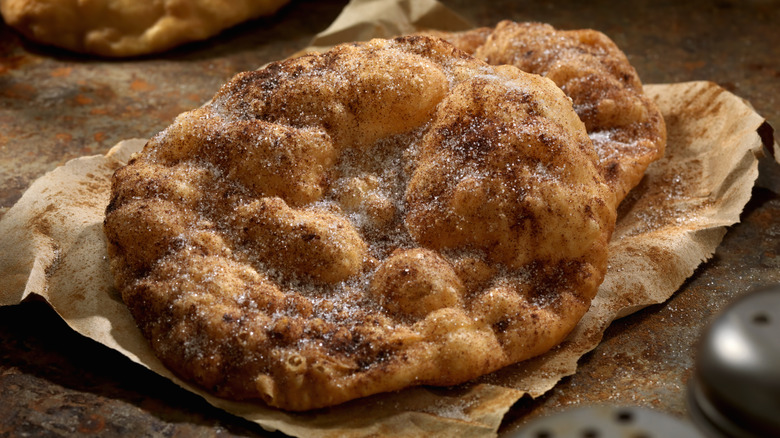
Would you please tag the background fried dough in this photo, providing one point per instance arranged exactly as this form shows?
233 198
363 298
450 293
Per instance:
128 27
306 237
625 126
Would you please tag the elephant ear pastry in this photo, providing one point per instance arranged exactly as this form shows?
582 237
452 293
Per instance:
386 214
118 28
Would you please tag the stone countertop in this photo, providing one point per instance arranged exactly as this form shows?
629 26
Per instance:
55 106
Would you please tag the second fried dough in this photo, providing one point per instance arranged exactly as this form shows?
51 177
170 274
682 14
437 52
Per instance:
625 126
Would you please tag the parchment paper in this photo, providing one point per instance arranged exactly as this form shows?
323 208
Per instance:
52 245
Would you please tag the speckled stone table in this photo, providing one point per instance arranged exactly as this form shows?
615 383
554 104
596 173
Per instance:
55 106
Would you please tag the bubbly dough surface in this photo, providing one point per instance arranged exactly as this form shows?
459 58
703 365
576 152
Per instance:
118 28
386 214
625 126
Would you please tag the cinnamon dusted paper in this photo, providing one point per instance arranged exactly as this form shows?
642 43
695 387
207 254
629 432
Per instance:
52 245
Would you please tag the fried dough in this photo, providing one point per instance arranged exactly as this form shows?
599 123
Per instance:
118 28
386 214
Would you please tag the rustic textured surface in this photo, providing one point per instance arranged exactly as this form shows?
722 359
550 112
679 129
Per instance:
55 106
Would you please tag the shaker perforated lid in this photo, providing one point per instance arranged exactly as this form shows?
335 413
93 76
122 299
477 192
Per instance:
601 421
735 391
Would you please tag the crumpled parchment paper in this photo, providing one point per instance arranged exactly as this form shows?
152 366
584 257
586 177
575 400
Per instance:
52 245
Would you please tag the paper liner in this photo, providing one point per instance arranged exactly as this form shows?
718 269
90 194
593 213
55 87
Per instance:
54 247
362 20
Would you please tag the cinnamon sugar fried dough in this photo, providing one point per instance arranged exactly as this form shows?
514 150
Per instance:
386 214
625 126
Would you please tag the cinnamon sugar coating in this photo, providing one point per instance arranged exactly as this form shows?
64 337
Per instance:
626 128
386 214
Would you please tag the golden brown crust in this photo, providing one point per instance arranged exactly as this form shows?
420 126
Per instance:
625 126
119 28
386 214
